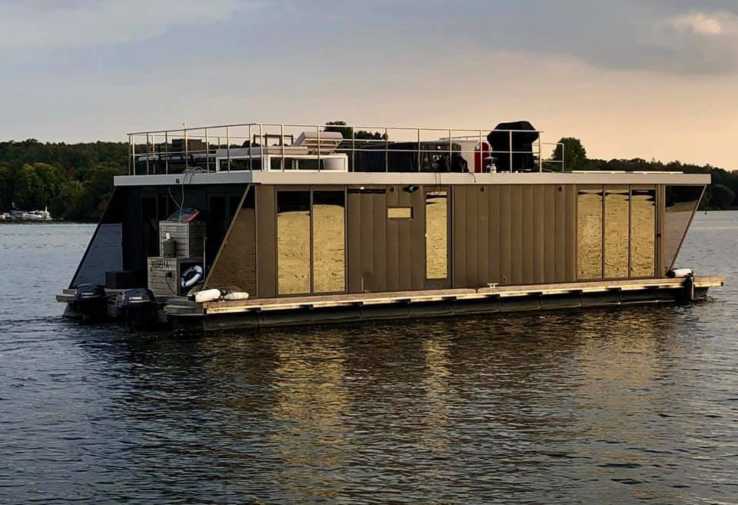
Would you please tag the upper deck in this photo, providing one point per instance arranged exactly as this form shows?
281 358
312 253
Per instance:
269 153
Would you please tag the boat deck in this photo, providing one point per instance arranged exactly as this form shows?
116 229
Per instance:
430 303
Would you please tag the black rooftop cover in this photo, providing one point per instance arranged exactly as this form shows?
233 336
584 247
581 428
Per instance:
522 146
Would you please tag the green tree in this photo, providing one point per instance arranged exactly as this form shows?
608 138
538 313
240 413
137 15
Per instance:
573 154
347 131
37 184
7 186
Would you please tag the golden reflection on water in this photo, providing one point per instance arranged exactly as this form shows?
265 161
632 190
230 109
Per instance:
435 380
309 405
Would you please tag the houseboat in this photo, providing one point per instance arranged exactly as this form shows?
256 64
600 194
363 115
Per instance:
258 225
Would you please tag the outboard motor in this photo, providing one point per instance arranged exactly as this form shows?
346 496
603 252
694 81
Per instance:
90 301
522 136
136 306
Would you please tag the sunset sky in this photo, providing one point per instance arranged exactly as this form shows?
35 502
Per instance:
647 78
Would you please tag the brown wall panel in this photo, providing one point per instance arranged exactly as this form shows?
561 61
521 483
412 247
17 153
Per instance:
516 234
505 234
539 201
548 225
458 236
505 244
236 262
266 247
353 252
494 244
484 258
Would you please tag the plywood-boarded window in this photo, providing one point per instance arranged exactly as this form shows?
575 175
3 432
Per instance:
329 250
617 232
589 233
642 232
436 235
293 242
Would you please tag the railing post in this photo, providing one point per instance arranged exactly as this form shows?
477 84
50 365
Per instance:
510 149
563 157
251 142
261 147
386 151
148 153
166 152
353 149
450 151
481 154
317 129
186 149
207 151
540 154
420 156
228 149
281 141
131 155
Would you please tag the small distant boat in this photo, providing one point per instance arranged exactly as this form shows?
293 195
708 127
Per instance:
16 216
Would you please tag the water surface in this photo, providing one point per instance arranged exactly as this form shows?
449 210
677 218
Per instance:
605 406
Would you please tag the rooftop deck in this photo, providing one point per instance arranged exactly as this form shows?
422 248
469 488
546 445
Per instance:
349 148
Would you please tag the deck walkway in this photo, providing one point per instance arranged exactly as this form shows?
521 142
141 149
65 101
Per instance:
447 295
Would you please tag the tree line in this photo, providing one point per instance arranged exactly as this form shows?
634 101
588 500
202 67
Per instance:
720 194
75 181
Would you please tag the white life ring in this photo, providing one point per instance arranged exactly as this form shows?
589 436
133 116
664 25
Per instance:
192 276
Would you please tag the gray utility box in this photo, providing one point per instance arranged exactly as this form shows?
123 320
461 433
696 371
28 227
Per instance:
165 274
189 237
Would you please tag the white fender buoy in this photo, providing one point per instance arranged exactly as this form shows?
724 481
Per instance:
236 295
207 295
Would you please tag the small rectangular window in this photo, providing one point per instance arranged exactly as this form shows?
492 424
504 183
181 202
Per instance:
399 213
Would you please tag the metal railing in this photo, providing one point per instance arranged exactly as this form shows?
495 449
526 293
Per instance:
249 146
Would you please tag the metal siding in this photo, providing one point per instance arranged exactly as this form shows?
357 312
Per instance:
417 254
549 233
484 259
527 246
472 236
266 242
458 234
505 245
516 234
493 244
379 239
539 202
353 252
570 220
366 230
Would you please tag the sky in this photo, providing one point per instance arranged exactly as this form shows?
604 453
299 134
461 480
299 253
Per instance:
656 79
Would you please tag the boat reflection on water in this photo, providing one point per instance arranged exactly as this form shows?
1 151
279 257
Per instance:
338 411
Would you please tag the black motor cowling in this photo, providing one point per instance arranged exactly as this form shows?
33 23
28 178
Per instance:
136 306
89 292
522 134
90 301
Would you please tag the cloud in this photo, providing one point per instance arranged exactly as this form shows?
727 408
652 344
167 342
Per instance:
706 24
89 23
